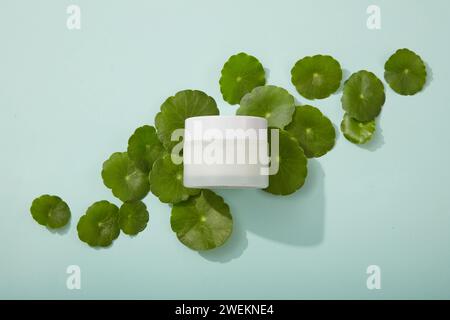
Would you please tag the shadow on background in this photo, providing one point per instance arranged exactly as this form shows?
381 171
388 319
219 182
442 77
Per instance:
297 219
377 140
345 75
61 231
233 248
267 72
430 76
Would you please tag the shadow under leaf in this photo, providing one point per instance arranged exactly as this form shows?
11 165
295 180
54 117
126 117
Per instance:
233 248
63 230
377 140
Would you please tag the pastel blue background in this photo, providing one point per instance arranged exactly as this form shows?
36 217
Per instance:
68 99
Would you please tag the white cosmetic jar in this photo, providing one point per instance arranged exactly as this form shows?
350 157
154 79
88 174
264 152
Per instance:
225 152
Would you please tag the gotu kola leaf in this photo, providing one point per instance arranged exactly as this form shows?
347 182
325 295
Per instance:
316 77
363 96
99 227
405 72
175 110
124 178
166 181
240 75
203 222
270 102
292 166
133 217
50 211
144 147
314 131
356 131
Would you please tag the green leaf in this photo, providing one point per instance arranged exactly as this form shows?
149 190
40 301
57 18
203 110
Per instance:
166 181
50 211
270 102
240 75
314 131
405 72
100 225
363 96
185 104
124 178
144 147
133 217
292 164
203 222
356 131
316 77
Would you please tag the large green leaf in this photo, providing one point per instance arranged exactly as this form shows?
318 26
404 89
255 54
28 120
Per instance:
405 72
270 102
50 211
314 131
363 96
240 75
99 227
124 178
316 77
175 110
356 131
144 147
166 181
292 164
203 222
133 217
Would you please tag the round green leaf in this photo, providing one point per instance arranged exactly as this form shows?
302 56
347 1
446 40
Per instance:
185 104
314 131
356 131
133 217
203 222
124 178
50 211
363 96
100 225
270 102
292 165
316 77
405 72
144 147
240 75
166 181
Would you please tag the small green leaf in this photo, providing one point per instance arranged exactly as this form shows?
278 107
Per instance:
314 132
203 222
240 75
144 147
133 217
363 96
50 211
405 72
166 181
356 131
292 165
185 104
316 77
124 178
270 102
99 227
